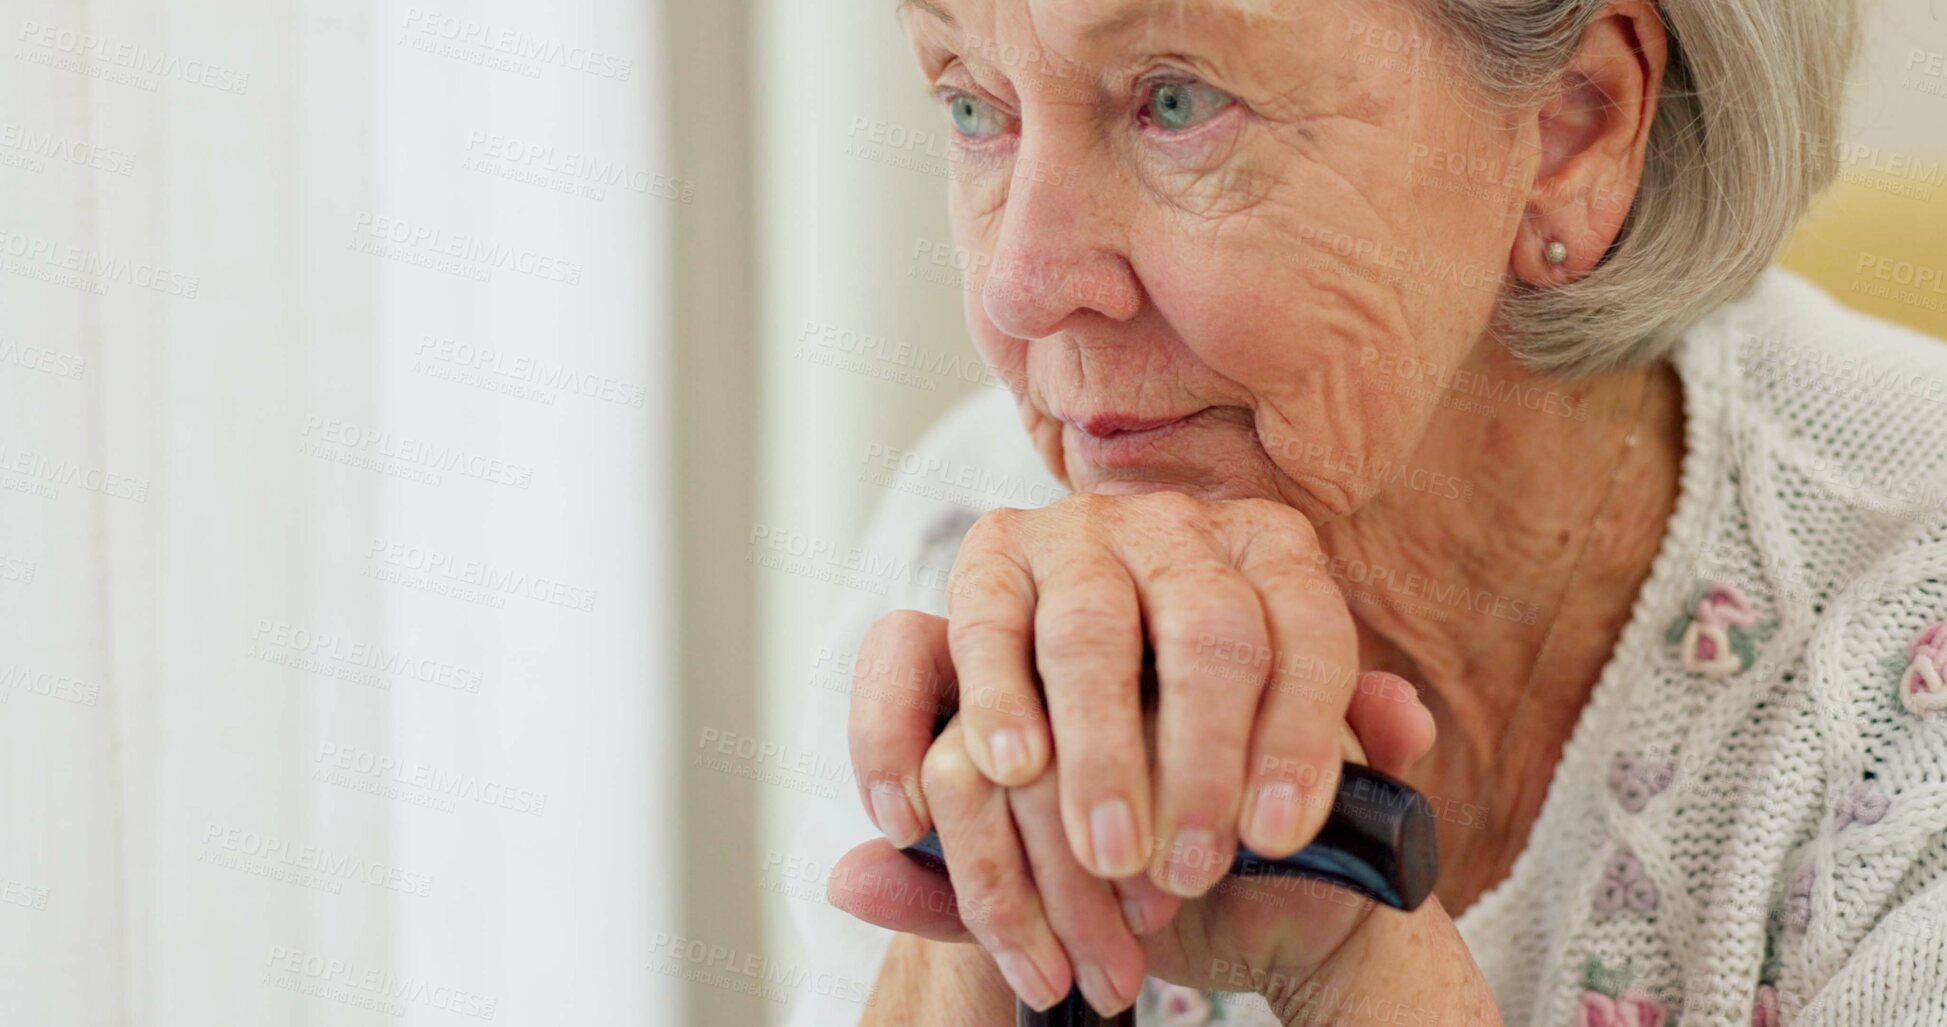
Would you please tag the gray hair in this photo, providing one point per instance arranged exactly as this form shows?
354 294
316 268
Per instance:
1746 135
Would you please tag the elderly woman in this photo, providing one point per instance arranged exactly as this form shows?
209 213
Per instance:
1423 399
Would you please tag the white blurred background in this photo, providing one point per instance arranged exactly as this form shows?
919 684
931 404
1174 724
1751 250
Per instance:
389 397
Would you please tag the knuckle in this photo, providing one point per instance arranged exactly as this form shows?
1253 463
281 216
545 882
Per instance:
1280 533
1215 620
1271 513
976 586
1296 767
1085 504
901 626
998 527
893 646
1082 628
1007 915
988 624
875 774
1201 576
874 735
987 705
1286 579
1176 506
948 773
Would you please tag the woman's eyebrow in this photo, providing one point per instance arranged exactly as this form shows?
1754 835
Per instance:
1130 15
931 8
1121 20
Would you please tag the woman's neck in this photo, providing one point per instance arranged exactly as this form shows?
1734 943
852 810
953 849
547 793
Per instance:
1504 602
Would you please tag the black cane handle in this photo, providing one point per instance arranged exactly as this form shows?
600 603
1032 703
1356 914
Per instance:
1378 841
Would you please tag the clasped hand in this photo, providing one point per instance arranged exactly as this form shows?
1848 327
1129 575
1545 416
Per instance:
1088 830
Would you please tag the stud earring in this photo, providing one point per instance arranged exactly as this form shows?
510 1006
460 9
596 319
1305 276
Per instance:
1556 253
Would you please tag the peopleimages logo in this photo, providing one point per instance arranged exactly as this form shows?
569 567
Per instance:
50 146
476 258
333 648
418 452
437 781
46 361
40 468
516 44
132 57
81 260
370 986
581 167
478 573
49 685
522 369
316 859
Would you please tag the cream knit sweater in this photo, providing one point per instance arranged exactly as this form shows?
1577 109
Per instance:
1749 822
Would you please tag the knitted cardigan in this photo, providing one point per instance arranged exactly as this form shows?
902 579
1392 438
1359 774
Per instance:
1748 825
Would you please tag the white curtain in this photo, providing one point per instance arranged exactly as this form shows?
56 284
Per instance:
334 602
862 345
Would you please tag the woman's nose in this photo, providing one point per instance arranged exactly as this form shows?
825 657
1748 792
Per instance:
1062 251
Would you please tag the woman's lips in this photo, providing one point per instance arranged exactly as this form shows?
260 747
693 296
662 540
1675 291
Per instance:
1117 442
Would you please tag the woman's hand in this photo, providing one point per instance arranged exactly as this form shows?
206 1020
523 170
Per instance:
1013 886
1255 658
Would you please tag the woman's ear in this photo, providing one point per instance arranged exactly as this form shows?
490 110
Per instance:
1593 131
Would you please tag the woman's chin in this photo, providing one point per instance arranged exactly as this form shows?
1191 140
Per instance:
1137 484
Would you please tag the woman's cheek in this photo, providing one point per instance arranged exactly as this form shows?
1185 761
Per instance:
1008 356
977 196
1209 194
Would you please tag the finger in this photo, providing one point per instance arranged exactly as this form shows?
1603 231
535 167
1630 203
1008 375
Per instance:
1088 648
1104 955
1145 907
881 885
1204 712
901 682
1392 725
990 634
1296 750
990 872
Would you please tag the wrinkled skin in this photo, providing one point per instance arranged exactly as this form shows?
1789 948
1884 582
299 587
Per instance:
1214 256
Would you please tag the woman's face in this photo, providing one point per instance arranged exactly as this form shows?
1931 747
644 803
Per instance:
1228 255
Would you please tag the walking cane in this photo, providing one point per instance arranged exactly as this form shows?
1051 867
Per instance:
1377 841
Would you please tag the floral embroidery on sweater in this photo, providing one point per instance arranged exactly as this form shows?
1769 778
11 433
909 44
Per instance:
1634 782
1764 1001
1864 803
1607 1000
1764 1007
1921 687
1625 886
1798 899
1719 636
1173 1005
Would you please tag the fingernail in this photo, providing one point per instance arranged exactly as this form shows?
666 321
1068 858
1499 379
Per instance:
1100 990
1112 829
1009 751
1274 818
895 814
1026 979
1192 861
1132 914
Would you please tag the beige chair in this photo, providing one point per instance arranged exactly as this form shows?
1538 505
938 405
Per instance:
1877 241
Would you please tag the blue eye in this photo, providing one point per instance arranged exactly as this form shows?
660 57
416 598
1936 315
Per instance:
1178 104
974 118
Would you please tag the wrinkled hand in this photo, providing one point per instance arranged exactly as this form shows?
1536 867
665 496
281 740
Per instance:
1078 876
